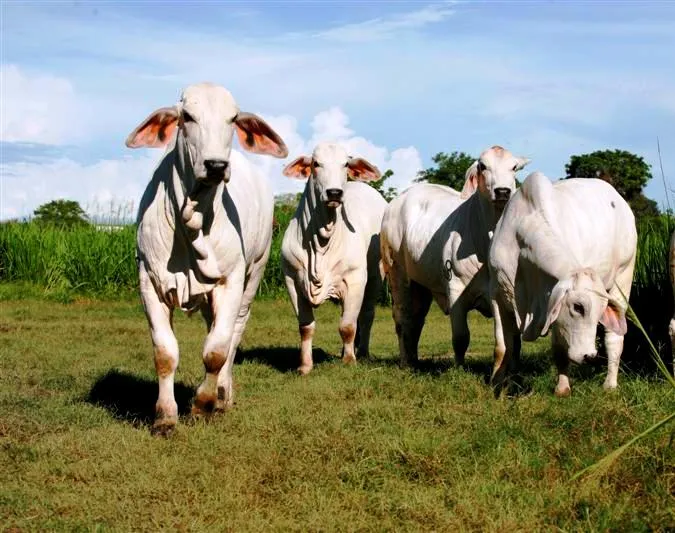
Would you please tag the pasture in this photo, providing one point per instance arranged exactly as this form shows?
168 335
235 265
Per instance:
367 448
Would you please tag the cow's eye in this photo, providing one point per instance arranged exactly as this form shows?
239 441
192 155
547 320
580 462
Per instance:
579 309
480 167
315 164
187 117
515 167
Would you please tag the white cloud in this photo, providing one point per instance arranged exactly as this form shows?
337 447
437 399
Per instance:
26 185
37 109
117 182
386 27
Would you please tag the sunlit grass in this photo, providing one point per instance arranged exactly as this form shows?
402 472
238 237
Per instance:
368 448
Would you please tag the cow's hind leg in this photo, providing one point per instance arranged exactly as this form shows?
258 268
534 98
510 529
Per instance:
410 305
165 347
420 302
225 301
461 336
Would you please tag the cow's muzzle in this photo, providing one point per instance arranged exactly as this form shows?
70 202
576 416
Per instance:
333 197
502 194
216 171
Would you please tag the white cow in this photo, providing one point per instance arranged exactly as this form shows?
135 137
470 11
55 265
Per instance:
672 284
434 244
562 258
331 248
204 235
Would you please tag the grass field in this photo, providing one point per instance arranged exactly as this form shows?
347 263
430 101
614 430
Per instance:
367 448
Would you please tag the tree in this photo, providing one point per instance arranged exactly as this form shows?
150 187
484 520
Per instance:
390 192
450 169
627 172
61 213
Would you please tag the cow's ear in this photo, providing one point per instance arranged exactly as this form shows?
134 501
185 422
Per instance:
520 163
156 130
555 303
470 180
614 317
300 168
361 170
258 137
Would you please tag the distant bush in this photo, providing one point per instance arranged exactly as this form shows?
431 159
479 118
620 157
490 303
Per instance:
651 295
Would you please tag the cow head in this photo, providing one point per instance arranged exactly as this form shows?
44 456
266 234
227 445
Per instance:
494 176
575 307
206 118
328 168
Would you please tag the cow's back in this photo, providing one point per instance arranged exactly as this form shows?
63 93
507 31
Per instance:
417 225
595 223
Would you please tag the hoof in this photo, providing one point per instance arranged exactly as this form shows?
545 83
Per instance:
609 386
163 427
224 402
349 359
203 405
563 393
303 370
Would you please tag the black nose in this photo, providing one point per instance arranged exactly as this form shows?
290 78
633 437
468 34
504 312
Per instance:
215 167
334 194
502 193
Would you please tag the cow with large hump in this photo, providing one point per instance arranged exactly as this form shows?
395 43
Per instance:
204 235
331 248
435 243
562 260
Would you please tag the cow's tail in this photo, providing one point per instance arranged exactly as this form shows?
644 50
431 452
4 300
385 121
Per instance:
386 258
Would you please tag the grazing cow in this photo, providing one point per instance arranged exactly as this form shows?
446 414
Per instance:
562 258
434 244
672 283
204 235
331 248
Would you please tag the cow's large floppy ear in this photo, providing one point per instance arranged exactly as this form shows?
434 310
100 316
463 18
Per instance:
256 136
156 130
520 163
361 170
614 318
555 302
300 168
471 180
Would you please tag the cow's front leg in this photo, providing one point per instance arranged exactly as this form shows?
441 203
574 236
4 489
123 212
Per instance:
613 347
306 325
351 307
507 345
165 347
225 300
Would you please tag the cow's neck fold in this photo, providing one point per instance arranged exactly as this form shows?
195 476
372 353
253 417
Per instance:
196 209
320 227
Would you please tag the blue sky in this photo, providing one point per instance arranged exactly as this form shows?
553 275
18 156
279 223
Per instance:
395 81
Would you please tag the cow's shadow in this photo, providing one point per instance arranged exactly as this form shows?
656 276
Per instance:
282 359
519 383
132 398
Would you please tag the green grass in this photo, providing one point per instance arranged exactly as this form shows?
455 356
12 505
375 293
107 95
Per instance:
367 448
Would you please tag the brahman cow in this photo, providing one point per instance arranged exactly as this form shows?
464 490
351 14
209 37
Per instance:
331 248
434 244
562 258
204 235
